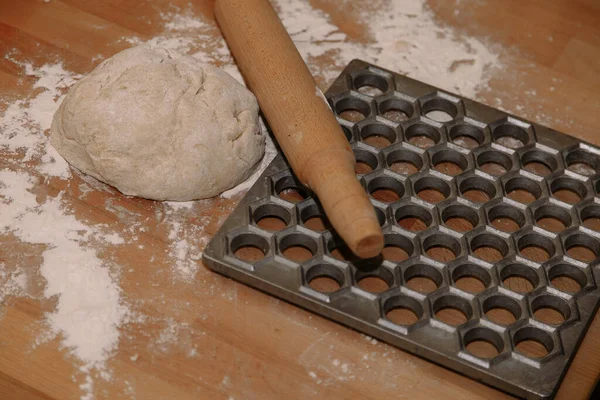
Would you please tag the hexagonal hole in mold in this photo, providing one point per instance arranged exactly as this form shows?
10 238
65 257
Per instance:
271 217
510 136
506 218
325 278
483 343
432 189
422 135
395 109
489 247
552 217
290 189
370 84
533 342
404 161
378 135
590 216
477 189
397 248
471 278
385 189
313 217
352 109
452 310
413 217
522 189
439 109
422 278
536 247
366 161
519 278
494 162
374 281
539 162
582 162
568 190
501 309
297 246
567 278
466 135
449 162
441 247
460 217
582 247
549 309
249 247
403 310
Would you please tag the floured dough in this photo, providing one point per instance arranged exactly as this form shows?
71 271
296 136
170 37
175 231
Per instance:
157 124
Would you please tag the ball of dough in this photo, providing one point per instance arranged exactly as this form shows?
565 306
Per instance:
161 125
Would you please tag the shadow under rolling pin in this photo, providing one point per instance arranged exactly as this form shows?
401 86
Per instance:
300 118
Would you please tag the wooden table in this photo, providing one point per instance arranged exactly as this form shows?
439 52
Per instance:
231 341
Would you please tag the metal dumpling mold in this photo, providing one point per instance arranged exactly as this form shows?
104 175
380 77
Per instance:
491 225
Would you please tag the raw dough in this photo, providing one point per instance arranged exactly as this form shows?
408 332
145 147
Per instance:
157 124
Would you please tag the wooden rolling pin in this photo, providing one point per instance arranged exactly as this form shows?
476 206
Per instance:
300 118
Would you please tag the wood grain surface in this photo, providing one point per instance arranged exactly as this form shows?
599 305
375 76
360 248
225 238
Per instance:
232 341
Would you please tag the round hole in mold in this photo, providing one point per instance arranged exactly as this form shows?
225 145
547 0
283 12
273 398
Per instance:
582 162
378 135
506 218
536 247
297 247
352 109
582 247
519 278
483 343
471 278
371 84
423 278
375 281
522 189
477 189
396 110
552 218
289 189
489 247
439 109
510 135
404 161
397 248
413 218
590 216
271 217
365 161
539 162
432 189
494 162
385 189
325 278
568 190
441 247
550 309
403 310
313 217
449 162
533 342
466 135
452 310
422 135
501 310
249 247
567 278
460 218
